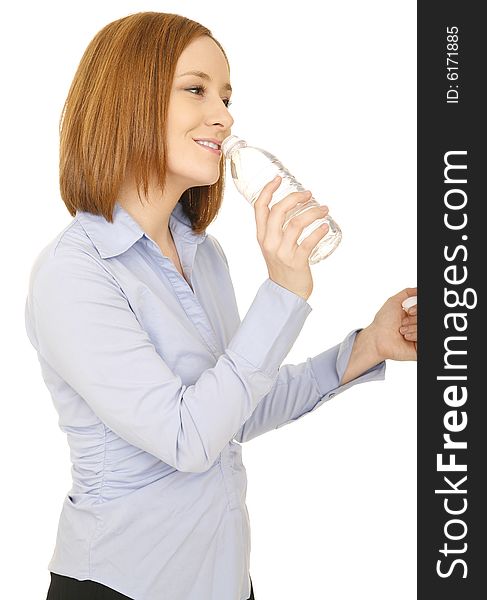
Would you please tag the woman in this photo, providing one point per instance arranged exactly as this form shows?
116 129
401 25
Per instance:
133 315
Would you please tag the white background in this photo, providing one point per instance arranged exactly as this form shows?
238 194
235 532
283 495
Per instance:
330 88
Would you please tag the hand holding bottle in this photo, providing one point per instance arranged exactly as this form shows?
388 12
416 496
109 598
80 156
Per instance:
252 167
287 262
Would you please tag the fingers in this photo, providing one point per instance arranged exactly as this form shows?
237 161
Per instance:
261 207
408 298
278 243
295 228
269 222
411 336
413 311
304 249
410 320
409 328
279 211
406 293
411 291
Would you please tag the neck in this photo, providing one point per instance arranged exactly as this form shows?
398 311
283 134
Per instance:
151 212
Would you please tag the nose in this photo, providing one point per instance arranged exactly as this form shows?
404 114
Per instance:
218 114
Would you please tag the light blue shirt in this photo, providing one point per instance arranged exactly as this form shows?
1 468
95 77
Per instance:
156 387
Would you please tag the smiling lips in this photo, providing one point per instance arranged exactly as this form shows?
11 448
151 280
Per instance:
210 146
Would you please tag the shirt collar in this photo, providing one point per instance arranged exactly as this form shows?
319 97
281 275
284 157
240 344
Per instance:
111 239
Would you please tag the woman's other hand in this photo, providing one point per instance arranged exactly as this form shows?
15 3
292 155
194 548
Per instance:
395 330
393 335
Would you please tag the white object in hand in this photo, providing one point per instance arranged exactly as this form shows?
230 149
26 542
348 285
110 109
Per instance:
411 301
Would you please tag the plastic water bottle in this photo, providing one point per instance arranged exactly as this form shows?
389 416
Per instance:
252 168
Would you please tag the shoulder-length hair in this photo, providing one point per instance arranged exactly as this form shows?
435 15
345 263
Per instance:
114 116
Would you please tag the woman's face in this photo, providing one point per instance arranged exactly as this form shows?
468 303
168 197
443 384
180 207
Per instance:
197 109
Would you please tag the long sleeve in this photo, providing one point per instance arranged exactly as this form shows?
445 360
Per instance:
300 389
82 324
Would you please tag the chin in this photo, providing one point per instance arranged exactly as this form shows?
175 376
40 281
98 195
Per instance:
208 180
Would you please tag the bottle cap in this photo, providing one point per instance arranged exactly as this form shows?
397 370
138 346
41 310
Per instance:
230 143
411 301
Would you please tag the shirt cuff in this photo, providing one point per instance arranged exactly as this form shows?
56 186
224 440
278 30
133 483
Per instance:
330 366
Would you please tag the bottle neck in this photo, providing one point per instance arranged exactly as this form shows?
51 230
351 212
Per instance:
231 145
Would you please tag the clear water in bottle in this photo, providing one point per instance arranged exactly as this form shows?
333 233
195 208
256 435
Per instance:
252 168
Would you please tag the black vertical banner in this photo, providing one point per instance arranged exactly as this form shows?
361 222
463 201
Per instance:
452 238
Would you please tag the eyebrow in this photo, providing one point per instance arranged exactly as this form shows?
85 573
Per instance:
227 86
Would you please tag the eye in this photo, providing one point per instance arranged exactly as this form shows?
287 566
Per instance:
201 89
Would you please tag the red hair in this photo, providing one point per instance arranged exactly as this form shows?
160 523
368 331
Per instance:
115 115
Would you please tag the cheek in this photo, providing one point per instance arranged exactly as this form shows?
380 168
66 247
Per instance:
177 161
179 144
179 136
183 116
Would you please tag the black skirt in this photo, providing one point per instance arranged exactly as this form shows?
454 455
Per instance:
67 588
